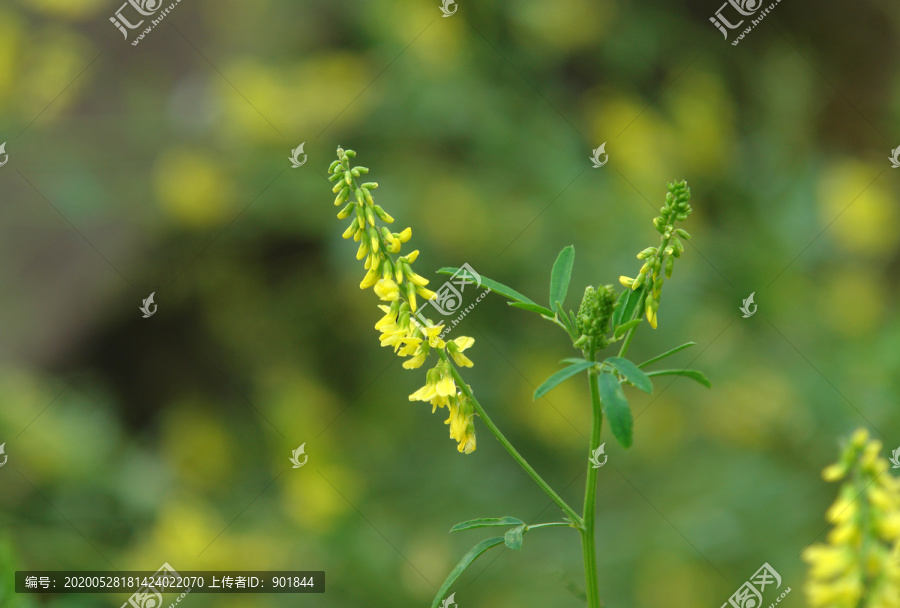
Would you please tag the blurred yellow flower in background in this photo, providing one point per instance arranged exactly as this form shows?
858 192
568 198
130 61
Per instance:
864 212
859 566
192 188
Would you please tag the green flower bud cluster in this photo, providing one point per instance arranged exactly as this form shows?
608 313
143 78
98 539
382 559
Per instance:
592 320
660 260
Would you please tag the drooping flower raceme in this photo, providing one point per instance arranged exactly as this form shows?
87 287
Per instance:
859 566
662 258
396 284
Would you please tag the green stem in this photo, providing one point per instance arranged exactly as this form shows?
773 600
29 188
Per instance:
592 587
509 447
638 311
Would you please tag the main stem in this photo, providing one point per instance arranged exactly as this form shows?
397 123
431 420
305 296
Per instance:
509 447
592 587
589 517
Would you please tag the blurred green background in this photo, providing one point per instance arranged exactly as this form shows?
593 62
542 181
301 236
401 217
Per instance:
163 168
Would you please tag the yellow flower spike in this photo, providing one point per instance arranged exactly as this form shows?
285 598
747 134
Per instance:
386 289
395 282
859 560
626 281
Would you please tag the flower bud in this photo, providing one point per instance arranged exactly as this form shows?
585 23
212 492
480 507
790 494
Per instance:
346 211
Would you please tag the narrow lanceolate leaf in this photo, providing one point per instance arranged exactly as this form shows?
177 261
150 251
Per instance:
485 522
630 304
513 537
573 360
677 349
632 373
560 277
464 563
616 407
620 308
533 308
507 292
560 376
624 327
567 320
687 373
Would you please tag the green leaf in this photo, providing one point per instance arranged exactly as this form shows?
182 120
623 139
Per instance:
677 349
532 308
513 538
573 360
687 373
616 407
567 321
464 563
485 522
619 307
503 290
631 303
624 327
560 276
632 373
560 376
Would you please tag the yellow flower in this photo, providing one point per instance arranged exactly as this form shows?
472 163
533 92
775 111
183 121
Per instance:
462 426
456 346
387 290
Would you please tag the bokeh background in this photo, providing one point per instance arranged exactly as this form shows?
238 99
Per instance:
164 168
